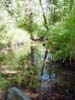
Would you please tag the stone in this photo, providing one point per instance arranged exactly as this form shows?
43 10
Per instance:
16 94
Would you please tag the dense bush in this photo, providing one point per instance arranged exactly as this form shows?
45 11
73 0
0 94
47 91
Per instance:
62 38
2 57
4 83
27 75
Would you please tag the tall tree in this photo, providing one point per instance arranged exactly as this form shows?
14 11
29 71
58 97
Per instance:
44 17
71 4
29 15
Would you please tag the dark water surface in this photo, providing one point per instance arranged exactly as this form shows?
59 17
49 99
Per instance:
59 79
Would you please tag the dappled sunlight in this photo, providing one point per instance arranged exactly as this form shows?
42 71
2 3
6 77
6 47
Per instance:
37 50
21 41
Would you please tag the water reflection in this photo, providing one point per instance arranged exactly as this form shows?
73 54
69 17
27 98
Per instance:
57 74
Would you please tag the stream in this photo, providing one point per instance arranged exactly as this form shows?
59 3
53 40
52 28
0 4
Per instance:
59 80
56 78
59 83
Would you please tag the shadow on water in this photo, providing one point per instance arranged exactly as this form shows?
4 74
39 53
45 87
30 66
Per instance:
59 81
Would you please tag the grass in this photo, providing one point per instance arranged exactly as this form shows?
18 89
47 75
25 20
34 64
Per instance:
4 83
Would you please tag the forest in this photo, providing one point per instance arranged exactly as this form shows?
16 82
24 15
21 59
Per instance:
37 49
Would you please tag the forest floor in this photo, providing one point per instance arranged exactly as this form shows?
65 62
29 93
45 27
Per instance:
43 94
40 95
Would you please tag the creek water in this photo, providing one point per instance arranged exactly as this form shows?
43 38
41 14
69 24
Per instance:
57 78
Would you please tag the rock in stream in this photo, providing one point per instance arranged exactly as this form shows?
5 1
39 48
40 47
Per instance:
16 94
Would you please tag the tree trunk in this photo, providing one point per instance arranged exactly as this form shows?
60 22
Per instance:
44 17
54 2
28 15
71 4
46 52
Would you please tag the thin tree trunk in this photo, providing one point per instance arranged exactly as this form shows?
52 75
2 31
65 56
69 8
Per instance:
54 2
29 27
28 15
71 4
46 52
44 17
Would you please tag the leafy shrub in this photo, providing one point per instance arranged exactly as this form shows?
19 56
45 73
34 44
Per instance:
4 83
62 38
2 57
27 75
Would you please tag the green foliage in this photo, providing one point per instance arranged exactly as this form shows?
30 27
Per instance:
4 83
27 75
11 60
39 30
25 24
62 38
2 57
15 18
